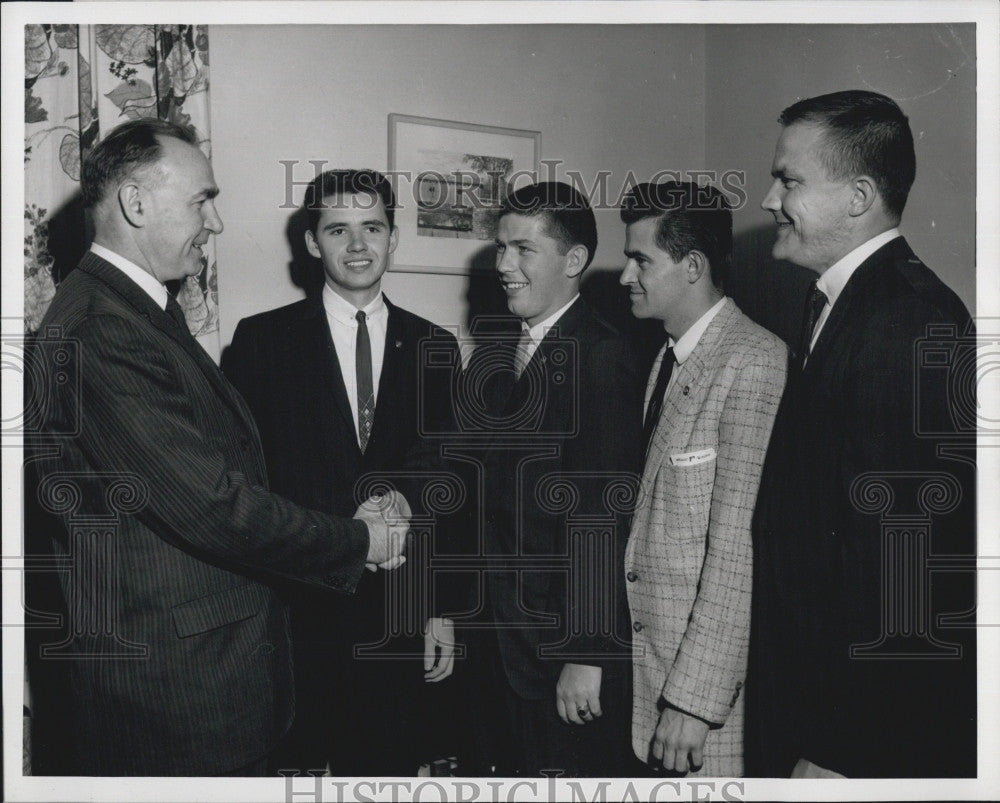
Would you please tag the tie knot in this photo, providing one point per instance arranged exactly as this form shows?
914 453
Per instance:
817 299
360 316
521 359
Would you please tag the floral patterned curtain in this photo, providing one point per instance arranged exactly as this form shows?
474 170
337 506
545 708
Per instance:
81 81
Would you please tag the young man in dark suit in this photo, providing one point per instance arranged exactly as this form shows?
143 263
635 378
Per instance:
338 388
561 412
178 642
854 669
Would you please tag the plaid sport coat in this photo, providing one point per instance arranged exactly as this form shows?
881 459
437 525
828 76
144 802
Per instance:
688 561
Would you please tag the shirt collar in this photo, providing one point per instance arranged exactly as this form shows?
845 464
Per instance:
688 340
835 278
146 281
343 311
539 330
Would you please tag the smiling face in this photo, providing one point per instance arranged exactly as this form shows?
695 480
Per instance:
810 208
179 214
657 283
354 240
536 275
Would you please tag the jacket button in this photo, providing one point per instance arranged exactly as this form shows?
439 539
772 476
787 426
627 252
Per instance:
687 390
637 626
631 577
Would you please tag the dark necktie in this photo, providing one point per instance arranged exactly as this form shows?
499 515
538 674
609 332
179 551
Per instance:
815 301
366 392
656 399
521 358
174 311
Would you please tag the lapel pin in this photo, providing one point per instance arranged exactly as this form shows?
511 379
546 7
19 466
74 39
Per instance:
399 343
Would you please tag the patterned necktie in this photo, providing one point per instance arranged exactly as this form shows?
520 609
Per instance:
366 392
174 311
521 355
815 301
656 399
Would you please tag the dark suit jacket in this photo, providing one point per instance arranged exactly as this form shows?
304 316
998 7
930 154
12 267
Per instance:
562 456
182 660
864 403
285 365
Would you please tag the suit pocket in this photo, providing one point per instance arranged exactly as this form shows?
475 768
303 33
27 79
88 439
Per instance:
688 499
219 609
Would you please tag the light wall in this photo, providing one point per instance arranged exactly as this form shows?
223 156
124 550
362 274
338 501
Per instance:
613 98
752 72
606 98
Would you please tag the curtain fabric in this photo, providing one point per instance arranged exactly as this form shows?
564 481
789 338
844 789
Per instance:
81 81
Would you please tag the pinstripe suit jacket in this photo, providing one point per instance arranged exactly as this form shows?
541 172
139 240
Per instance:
689 552
181 650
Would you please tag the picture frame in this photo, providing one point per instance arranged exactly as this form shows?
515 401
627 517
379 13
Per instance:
450 178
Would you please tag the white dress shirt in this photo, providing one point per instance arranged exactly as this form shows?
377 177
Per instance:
835 278
340 317
685 345
539 330
149 283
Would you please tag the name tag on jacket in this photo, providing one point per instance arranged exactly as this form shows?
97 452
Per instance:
692 458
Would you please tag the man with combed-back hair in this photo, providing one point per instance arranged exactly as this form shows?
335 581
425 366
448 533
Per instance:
178 647
854 669
711 400
297 367
562 411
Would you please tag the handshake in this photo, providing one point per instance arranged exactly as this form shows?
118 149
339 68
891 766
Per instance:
388 519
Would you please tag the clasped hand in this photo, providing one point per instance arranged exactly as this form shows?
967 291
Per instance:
387 517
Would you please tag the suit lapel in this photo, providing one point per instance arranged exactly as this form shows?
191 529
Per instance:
564 328
857 287
329 377
397 346
140 301
680 401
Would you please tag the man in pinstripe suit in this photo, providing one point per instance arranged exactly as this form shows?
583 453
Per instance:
710 404
180 648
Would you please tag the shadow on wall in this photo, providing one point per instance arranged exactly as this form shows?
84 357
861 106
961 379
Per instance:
51 250
770 292
305 270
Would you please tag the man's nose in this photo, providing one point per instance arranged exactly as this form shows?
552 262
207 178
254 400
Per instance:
212 220
504 265
772 201
628 274
357 242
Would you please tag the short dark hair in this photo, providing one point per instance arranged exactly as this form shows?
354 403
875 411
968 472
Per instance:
347 182
567 213
866 134
691 217
130 146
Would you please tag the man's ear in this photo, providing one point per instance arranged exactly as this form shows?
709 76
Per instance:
576 260
863 195
696 266
131 202
393 239
311 246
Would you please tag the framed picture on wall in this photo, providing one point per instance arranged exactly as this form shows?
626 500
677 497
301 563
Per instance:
449 179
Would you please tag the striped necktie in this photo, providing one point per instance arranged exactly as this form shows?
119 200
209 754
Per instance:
366 391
